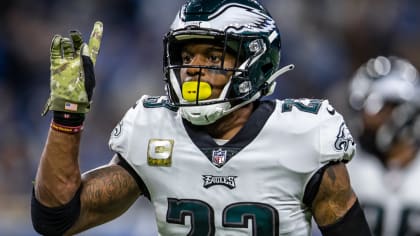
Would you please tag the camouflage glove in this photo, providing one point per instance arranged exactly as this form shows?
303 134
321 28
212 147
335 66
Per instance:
72 72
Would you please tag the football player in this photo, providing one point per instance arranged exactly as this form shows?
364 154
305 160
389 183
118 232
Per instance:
385 91
212 157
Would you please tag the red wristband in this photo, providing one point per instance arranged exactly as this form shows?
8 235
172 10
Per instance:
66 129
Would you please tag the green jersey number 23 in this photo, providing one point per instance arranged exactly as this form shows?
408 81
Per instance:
265 219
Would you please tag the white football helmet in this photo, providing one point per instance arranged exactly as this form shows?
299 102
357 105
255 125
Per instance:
387 80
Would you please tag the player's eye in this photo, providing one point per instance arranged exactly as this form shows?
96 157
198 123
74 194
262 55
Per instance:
186 58
215 58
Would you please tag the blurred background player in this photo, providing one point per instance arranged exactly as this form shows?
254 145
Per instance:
385 172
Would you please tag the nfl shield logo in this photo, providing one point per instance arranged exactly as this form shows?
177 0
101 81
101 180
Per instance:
219 157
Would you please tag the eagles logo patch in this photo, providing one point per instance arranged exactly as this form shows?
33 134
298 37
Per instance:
117 130
344 138
159 152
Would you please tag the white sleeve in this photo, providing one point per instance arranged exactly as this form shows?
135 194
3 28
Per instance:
336 141
119 141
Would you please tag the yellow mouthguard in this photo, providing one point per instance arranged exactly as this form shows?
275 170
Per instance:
189 91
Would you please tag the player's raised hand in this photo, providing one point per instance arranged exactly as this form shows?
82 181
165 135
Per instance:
72 78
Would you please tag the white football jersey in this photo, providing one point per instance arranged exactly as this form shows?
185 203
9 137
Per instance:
390 198
252 185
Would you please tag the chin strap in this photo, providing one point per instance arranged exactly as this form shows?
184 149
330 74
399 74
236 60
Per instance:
210 113
280 72
271 81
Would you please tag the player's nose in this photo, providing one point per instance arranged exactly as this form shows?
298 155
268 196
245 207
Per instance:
195 70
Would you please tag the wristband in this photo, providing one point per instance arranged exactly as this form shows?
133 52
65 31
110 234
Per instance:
69 119
66 129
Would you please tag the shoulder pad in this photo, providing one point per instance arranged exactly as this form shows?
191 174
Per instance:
319 118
